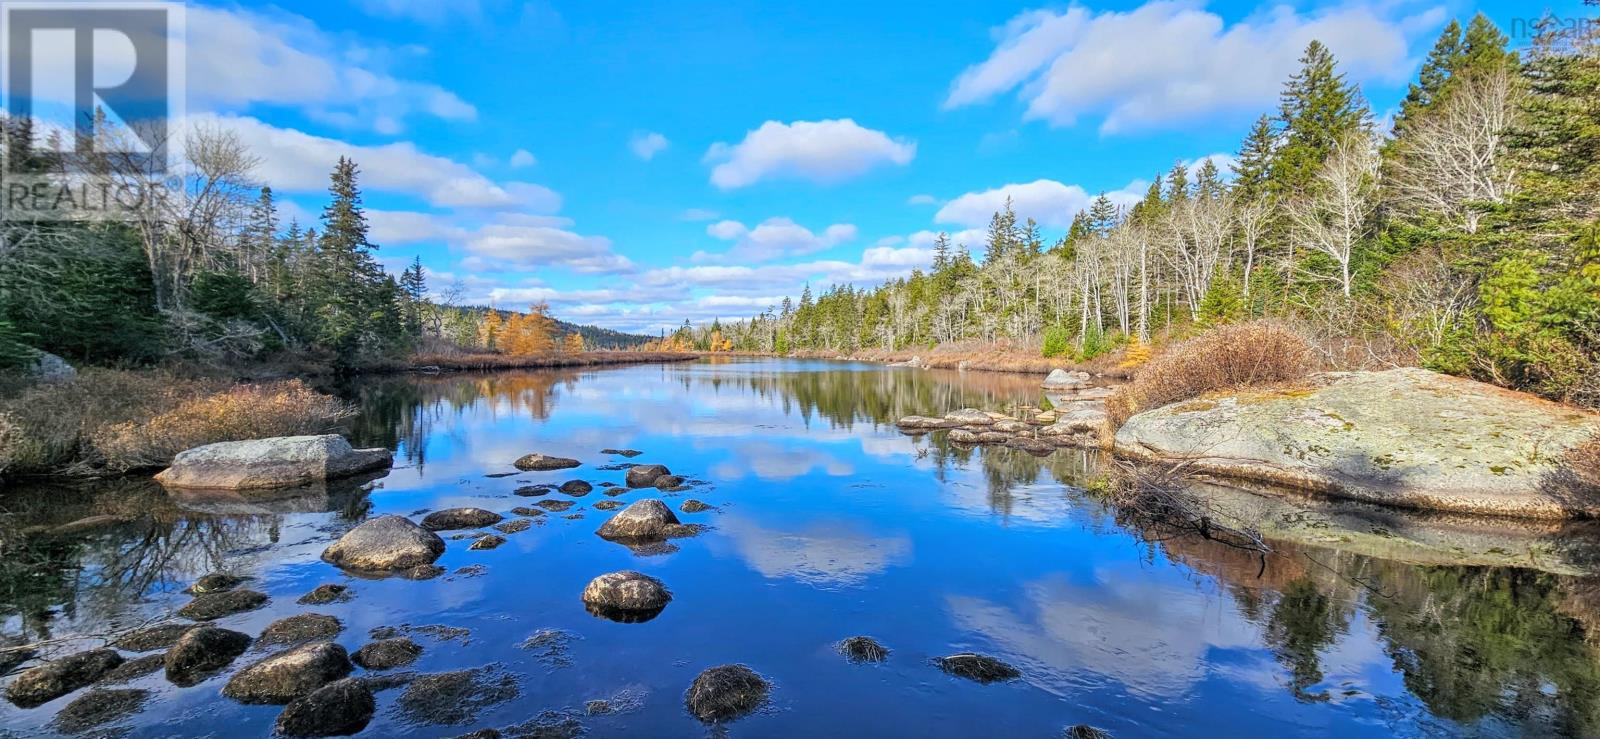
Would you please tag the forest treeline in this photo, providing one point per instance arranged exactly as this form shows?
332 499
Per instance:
1464 235
211 273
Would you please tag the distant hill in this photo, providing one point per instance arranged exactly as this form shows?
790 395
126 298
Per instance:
595 337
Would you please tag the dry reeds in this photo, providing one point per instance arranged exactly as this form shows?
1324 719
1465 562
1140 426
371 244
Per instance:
116 421
1229 357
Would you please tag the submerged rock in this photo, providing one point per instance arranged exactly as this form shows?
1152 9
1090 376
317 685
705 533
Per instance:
533 491
488 542
300 629
978 667
669 482
644 475
963 436
694 506
325 594
134 669
216 582
385 543
515 526
576 488
525 511
151 638
1085 731
607 505
99 707
725 692
52 680
1403 437
422 572
340 708
629 453
542 463
641 520
551 646
455 698
201 651
555 506
454 519
387 654
863 649
212 606
10 657
285 461
287 675
627 596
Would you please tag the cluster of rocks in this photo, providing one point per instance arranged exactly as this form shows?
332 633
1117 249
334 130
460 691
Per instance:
1076 418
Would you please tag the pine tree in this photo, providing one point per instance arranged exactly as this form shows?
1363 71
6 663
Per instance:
941 253
348 278
1102 215
1208 181
1177 183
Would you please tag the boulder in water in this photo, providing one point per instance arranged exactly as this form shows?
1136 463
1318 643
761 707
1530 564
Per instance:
626 596
387 654
725 692
212 606
287 675
455 698
969 417
453 519
151 638
1403 437
383 544
97 708
1061 379
576 488
340 708
216 582
645 475
643 520
201 651
325 594
52 680
490 541
300 629
544 463
279 462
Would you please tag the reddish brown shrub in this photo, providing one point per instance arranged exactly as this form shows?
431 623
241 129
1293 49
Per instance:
1229 357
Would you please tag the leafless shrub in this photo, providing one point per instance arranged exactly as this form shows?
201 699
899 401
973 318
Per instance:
1228 357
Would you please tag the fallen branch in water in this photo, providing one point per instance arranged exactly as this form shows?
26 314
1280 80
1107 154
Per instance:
1159 502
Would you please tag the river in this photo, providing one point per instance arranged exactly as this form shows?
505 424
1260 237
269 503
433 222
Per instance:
828 523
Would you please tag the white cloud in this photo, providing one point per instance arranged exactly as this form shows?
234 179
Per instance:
431 12
294 161
239 59
922 200
647 144
523 158
698 214
772 239
1049 202
819 151
1164 63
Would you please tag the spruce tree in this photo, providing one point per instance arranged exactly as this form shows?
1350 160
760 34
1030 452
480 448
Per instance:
1436 69
349 291
1253 166
1317 109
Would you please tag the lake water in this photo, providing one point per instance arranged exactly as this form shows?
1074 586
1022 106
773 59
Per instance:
830 523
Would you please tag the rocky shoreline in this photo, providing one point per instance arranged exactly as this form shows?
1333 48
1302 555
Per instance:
1407 438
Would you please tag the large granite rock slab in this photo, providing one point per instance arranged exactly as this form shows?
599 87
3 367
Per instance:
264 464
1404 437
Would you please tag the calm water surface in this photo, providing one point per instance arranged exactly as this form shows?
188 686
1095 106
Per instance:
830 523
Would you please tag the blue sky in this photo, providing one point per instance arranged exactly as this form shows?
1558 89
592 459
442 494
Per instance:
636 164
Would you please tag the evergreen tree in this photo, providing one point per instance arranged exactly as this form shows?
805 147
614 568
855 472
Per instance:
1318 108
1436 69
1102 215
1253 166
414 288
1177 182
